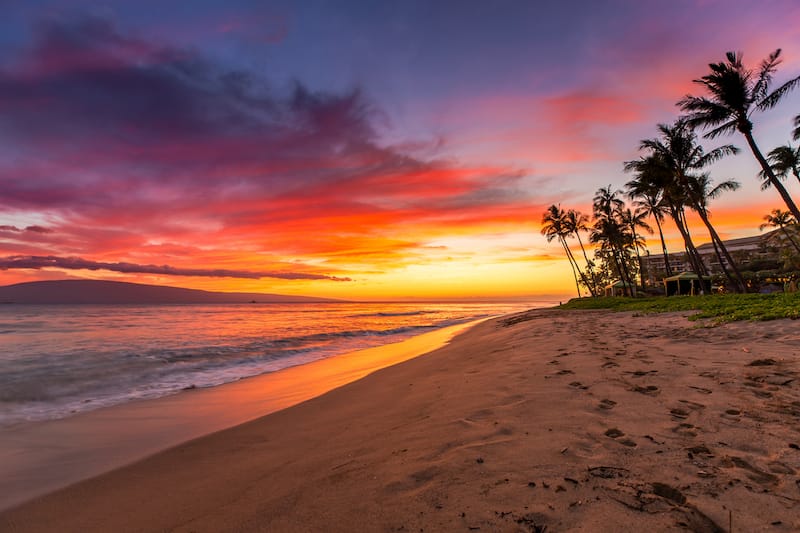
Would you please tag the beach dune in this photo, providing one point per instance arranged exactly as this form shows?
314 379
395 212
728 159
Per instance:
592 421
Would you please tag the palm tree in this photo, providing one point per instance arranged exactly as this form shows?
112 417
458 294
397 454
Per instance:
796 132
636 219
611 233
647 192
783 160
734 95
647 195
684 157
677 153
575 222
700 192
553 227
781 219
606 202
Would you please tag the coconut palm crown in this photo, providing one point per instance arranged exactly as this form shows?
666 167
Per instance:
784 160
734 93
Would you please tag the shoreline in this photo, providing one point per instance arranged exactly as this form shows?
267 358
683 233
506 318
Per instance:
39 457
587 420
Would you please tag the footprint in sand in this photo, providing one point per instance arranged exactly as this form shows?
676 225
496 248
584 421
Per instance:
609 364
700 449
578 385
754 473
685 430
650 390
606 404
679 413
616 433
564 372
732 414
639 373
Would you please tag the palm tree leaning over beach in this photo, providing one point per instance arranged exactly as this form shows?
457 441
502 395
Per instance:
734 94
575 222
553 227
781 219
783 160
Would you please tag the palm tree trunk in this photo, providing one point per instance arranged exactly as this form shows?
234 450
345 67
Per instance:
625 273
580 272
667 267
569 258
615 259
720 246
733 283
789 236
592 287
691 252
774 181
638 257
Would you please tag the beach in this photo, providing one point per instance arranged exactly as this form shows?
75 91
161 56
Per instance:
564 420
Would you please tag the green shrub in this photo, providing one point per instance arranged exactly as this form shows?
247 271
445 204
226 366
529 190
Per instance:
718 308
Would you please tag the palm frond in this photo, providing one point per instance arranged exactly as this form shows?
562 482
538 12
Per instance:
796 132
771 100
703 112
725 129
715 155
727 185
768 68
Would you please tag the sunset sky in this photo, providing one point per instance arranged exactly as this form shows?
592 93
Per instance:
363 150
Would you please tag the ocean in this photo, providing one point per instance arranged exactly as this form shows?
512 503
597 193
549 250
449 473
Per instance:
59 360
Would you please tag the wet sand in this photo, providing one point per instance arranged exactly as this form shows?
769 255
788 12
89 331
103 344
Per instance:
37 458
583 421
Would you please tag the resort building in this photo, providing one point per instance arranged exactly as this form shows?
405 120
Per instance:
746 251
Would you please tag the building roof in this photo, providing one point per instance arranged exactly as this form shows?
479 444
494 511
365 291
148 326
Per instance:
743 243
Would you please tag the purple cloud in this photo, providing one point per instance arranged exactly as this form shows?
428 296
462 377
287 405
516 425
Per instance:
32 229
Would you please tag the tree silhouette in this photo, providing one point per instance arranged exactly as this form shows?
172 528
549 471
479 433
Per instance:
781 219
636 219
783 160
734 94
553 227
575 222
647 192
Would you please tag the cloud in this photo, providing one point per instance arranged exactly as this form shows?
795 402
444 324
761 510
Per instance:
126 142
32 229
76 263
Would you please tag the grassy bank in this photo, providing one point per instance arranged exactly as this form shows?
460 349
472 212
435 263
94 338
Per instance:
718 308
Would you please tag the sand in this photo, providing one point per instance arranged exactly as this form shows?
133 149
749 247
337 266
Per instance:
37 458
581 421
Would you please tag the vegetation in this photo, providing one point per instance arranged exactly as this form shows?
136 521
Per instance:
783 220
718 308
671 179
783 161
734 93
559 224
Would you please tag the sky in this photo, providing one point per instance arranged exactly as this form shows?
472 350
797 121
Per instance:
350 149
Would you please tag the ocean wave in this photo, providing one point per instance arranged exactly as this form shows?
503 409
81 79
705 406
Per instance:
391 314
65 370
